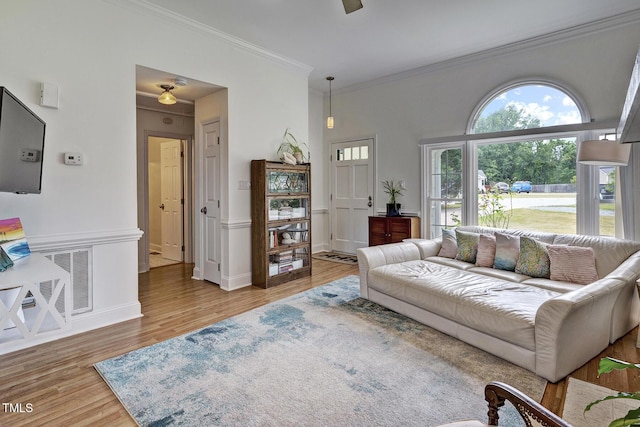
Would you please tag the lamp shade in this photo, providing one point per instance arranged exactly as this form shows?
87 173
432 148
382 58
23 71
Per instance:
603 152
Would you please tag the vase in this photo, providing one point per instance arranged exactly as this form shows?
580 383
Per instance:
299 158
393 209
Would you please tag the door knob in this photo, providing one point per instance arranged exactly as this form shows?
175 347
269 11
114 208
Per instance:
161 206
369 204
204 210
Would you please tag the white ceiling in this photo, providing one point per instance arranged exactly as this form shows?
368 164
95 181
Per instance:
386 36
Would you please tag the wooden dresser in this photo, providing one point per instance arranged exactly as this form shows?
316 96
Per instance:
392 229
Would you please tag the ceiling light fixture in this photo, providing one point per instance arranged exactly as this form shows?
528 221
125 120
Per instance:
330 118
603 152
167 97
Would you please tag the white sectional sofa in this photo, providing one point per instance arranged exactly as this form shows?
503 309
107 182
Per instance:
548 326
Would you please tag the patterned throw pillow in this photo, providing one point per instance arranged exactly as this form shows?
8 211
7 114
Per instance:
507 251
449 247
486 251
467 246
574 264
534 258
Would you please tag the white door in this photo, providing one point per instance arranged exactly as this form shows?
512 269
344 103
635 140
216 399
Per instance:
351 194
211 209
171 199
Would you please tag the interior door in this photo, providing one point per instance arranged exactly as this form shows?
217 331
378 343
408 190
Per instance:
351 194
211 208
171 199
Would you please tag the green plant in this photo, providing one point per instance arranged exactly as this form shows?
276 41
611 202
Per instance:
291 145
492 211
393 189
632 418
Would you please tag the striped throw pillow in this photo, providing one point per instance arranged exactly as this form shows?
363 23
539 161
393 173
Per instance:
574 264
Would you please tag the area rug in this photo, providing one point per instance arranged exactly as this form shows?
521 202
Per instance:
580 393
337 257
324 357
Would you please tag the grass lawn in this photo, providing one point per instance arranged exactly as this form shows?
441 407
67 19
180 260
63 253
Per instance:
554 222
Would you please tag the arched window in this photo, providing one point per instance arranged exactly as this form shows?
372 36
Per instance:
527 105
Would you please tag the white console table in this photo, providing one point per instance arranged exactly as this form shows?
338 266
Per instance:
49 284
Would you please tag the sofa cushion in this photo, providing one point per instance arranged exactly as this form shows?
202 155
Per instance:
511 276
449 248
496 307
574 264
507 251
467 246
552 285
461 265
534 258
486 251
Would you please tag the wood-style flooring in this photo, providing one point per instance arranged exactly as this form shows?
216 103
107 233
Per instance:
55 384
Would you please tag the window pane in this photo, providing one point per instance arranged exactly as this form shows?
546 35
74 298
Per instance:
531 185
445 189
347 154
527 106
364 152
606 196
355 153
339 154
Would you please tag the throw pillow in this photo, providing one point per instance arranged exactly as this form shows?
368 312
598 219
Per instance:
467 246
574 264
534 258
507 251
449 247
486 251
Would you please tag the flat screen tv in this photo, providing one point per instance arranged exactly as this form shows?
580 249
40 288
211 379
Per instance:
21 146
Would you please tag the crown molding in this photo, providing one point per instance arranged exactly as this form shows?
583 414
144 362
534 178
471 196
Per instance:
148 9
594 27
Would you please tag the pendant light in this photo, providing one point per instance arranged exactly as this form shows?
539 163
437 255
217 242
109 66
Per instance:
167 97
330 118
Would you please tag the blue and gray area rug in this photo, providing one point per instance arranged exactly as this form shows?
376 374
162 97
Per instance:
324 357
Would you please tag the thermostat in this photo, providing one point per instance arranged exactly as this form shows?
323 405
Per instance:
72 158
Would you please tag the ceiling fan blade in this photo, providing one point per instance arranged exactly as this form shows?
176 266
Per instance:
351 5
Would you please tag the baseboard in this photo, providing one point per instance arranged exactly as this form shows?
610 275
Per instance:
79 324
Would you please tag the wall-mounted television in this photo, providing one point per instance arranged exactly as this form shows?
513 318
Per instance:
21 146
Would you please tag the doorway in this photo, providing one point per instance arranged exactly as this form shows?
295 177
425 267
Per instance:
168 189
352 192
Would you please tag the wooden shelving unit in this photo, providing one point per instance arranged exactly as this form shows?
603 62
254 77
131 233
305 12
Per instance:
280 222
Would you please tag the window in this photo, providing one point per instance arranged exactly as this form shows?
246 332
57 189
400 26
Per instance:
352 153
520 179
446 188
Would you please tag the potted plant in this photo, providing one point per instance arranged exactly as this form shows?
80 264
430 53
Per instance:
290 145
632 418
393 189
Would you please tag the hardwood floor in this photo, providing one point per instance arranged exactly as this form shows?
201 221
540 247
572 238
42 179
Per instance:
55 384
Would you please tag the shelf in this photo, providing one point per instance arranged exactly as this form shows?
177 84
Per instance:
49 285
280 205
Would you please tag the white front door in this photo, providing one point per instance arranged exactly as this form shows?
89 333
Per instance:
171 199
211 208
351 194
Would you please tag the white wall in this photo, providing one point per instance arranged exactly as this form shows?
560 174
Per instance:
319 175
439 101
90 49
